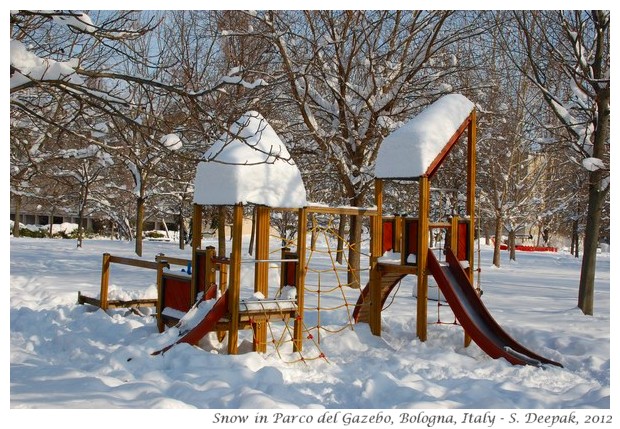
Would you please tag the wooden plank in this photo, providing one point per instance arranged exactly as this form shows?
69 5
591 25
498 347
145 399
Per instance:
172 260
133 262
160 296
423 219
300 280
105 278
261 272
83 299
374 319
235 279
396 268
439 159
196 243
354 211
133 303
471 189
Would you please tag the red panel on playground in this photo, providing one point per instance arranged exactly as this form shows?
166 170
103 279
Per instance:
388 235
462 249
177 293
411 237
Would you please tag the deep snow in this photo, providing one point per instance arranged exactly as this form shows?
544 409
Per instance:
65 355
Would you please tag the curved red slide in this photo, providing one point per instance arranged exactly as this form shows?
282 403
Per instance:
474 316
206 325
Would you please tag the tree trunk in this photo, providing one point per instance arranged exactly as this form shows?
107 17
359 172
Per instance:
355 239
139 226
511 244
342 226
181 229
590 247
498 241
313 234
221 231
80 233
574 242
487 237
80 230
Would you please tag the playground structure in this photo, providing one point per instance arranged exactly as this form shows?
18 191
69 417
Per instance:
427 139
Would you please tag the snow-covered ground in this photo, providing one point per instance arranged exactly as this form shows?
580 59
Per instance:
69 356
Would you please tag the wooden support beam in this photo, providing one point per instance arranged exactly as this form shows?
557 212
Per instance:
196 243
399 227
261 272
234 288
132 262
423 221
210 267
298 328
161 263
454 234
352 211
471 189
376 251
105 278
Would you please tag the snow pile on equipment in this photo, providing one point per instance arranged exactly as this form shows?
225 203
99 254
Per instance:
249 164
410 150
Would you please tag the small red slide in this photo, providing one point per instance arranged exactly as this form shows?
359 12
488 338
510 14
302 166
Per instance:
474 316
206 325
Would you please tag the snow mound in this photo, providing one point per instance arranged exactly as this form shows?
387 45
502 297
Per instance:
410 150
249 164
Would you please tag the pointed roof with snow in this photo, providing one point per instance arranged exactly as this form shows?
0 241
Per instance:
416 148
249 164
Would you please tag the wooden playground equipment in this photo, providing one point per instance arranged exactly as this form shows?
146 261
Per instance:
217 277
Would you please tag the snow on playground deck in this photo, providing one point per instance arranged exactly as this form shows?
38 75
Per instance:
65 355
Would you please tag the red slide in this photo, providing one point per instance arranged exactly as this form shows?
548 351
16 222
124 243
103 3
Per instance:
474 316
206 325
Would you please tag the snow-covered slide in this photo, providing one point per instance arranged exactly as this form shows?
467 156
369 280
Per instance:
207 324
473 315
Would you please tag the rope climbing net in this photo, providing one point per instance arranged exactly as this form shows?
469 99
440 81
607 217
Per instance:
333 282
334 276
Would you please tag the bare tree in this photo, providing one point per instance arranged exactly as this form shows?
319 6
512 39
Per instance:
352 76
568 56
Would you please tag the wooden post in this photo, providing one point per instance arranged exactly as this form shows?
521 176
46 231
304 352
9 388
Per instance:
454 234
298 329
161 263
399 238
105 277
261 273
234 288
423 224
454 245
211 278
210 268
196 243
376 250
471 200
471 190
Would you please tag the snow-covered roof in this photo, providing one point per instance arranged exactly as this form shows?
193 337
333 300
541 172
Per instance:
410 150
249 164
